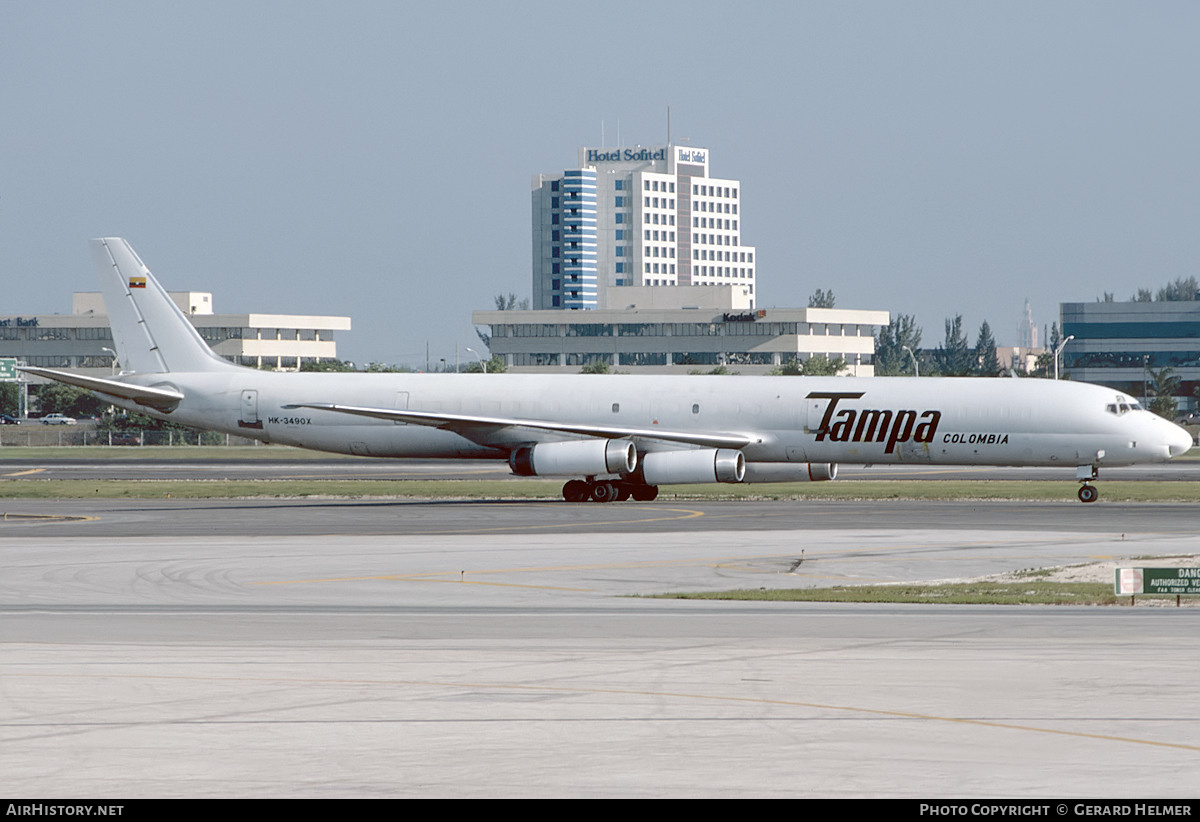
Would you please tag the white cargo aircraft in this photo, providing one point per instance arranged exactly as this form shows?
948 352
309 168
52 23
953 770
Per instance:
619 436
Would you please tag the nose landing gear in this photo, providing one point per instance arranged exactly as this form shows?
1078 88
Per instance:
1085 474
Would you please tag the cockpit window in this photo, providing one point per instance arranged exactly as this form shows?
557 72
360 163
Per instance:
1123 405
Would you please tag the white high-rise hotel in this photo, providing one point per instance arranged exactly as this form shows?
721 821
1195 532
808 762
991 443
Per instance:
636 217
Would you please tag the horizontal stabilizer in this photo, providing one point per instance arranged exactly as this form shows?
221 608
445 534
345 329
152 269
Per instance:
456 422
164 399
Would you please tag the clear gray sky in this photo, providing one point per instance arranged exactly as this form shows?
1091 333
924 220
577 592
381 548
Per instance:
373 159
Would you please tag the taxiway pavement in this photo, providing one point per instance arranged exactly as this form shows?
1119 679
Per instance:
406 648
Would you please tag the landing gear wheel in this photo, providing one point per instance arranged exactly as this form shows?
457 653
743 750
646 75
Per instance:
645 493
1088 493
604 492
576 491
624 492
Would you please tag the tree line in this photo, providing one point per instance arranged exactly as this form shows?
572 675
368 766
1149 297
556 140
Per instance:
1183 289
898 345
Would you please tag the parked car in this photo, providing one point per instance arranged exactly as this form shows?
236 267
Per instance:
5 419
125 439
57 419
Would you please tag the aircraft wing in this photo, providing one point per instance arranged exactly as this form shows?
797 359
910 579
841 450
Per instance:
161 398
463 422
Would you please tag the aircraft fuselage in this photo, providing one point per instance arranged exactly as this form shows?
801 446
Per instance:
953 421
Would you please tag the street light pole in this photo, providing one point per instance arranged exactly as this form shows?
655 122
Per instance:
113 365
916 365
1058 351
482 364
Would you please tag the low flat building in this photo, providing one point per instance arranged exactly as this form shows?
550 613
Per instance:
1017 358
659 334
82 340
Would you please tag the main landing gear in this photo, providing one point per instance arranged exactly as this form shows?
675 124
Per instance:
607 491
1085 474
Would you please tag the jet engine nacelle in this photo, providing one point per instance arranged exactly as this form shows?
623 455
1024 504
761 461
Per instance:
790 471
703 465
575 458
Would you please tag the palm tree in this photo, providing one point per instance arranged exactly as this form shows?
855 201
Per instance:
1165 386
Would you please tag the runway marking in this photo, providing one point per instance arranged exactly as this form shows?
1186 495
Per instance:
51 517
24 473
686 513
881 712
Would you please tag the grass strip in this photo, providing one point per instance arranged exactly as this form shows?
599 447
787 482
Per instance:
1025 592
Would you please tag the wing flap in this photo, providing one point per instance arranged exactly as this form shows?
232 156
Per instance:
456 422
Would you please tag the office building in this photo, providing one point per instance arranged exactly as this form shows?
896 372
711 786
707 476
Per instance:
1118 344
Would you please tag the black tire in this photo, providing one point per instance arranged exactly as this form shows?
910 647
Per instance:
576 491
604 492
1088 493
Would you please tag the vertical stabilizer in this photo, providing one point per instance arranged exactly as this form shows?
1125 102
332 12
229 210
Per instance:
149 331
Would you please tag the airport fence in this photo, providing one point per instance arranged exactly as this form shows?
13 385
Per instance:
35 434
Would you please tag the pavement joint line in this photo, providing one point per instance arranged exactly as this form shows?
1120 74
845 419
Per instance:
879 712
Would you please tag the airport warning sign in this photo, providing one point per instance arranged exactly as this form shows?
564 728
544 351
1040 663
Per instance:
1168 581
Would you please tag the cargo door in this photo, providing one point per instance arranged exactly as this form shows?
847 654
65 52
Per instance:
249 410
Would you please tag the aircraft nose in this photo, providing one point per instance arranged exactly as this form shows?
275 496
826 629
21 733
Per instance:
1179 441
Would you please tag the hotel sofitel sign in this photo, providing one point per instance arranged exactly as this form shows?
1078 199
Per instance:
626 155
